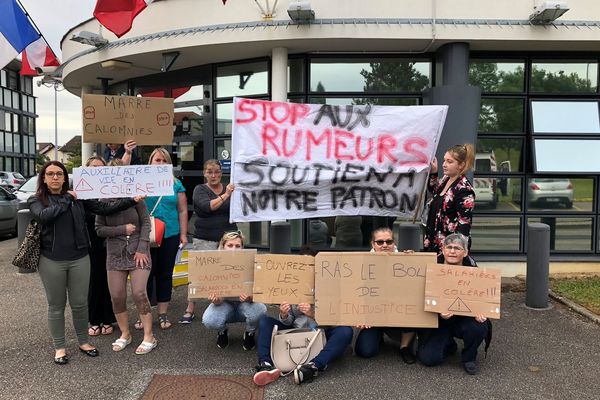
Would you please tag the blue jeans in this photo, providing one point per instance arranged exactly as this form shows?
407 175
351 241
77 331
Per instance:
368 340
338 339
438 343
218 316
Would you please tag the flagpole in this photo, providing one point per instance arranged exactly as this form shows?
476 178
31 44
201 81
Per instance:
35 26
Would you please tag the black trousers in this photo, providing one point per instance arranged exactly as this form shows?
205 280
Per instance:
161 275
99 304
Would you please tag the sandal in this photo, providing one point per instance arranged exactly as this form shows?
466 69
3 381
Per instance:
146 347
107 329
187 317
138 325
94 330
121 343
163 321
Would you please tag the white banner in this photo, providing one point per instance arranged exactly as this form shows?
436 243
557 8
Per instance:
123 181
295 160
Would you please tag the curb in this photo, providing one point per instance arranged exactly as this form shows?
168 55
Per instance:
575 307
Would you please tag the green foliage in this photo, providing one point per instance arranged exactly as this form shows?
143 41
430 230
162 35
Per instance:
41 159
74 160
386 77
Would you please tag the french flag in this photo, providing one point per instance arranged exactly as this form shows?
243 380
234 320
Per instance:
38 54
16 31
117 15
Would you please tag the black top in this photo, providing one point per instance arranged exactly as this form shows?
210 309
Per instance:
135 160
210 224
434 207
64 247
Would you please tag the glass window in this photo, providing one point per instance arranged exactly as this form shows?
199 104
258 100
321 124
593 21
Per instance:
7 97
8 165
387 75
2 120
28 85
501 115
15 100
2 143
561 77
243 79
502 155
501 234
25 124
578 117
393 101
15 123
31 106
32 145
224 119
8 122
560 194
188 121
13 80
501 194
568 234
223 154
16 143
256 233
566 155
25 145
8 141
32 170
497 76
296 75
3 78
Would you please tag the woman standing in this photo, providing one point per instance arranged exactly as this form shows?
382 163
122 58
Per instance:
101 316
211 205
128 248
64 262
451 207
221 312
172 210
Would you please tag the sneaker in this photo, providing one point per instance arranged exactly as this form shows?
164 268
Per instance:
265 374
407 355
305 373
249 342
471 367
222 339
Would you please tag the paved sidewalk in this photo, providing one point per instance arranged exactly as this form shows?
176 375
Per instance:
553 354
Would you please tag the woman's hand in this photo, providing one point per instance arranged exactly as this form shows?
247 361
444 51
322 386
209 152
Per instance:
284 310
363 326
139 198
245 297
306 309
434 166
446 315
216 300
480 318
129 229
183 240
129 146
73 194
229 189
141 260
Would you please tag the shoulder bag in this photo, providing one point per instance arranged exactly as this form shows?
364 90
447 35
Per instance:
28 254
291 348
157 228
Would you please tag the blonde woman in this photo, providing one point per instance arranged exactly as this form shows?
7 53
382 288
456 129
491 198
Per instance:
222 312
172 210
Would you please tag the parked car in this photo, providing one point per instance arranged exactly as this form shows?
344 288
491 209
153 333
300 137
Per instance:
485 188
26 189
12 179
9 205
550 191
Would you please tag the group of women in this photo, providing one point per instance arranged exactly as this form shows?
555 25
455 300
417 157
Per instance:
115 233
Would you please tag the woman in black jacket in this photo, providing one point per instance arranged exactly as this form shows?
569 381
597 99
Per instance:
64 262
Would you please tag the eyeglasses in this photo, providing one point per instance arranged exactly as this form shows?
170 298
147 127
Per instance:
454 248
389 242
213 172
54 174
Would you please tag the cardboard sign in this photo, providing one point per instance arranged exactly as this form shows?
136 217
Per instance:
376 289
123 181
283 277
463 290
117 119
225 273
293 160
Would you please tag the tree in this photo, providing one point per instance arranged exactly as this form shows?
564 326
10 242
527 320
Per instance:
74 159
40 160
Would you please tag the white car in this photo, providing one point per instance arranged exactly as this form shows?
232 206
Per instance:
27 189
550 191
12 179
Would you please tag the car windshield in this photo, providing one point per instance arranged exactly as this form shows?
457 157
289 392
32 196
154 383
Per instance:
18 175
30 185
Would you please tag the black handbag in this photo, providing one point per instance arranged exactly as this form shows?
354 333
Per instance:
28 254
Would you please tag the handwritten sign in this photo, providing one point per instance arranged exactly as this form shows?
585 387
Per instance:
225 273
123 181
282 277
116 119
377 289
463 290
308 160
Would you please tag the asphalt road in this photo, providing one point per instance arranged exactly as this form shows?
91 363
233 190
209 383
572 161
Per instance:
553 354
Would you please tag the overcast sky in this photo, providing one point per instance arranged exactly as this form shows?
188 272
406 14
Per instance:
54 18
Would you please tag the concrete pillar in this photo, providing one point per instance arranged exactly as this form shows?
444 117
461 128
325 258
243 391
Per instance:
87 149
279 79
453 89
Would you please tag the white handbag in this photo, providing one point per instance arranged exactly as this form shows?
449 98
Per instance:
291 348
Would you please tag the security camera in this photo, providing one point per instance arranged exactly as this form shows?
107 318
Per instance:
45 70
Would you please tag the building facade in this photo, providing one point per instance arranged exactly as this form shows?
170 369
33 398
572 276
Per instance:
17 121
525 94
